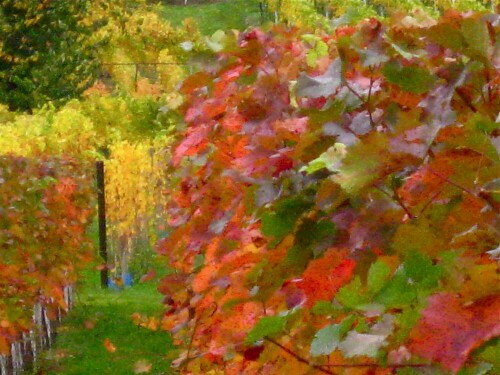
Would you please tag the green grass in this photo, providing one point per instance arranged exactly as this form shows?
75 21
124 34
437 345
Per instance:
80 350
224 15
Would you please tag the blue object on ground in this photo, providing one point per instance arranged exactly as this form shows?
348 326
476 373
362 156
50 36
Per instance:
127 279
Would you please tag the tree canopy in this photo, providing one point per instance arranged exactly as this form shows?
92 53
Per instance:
45 53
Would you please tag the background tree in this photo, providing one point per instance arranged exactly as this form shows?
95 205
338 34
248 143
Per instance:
45 53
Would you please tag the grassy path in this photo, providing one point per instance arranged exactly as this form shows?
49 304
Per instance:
104 314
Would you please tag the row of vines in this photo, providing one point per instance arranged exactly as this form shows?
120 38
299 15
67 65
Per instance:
335 208
44 212
321 12
333 201
47 188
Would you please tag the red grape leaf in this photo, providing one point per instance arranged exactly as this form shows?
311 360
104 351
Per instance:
325 276
448 331
195 141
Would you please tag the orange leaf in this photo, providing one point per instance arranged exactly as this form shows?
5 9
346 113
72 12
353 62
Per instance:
325 276
148 276
109 346
4 346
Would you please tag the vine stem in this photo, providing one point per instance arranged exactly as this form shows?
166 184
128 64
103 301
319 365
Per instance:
466 100
398 200
191 339
298 357
368 100
434 196
385 366
358 365
365 102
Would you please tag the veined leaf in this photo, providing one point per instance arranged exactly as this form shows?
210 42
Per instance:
267 326
328 338
331 159
410 78
323 85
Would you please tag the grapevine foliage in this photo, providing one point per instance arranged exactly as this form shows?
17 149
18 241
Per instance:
44 212
132 130
341 213
319 12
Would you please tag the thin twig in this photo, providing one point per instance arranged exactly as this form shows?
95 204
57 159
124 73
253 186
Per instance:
397 199
403 206
430 201
354 92
366 103
298 357
368 107
381 366
466 100
488 83
444 178
191 339
464 189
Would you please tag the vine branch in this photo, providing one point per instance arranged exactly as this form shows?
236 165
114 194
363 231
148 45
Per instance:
379 366
298 357
466 100
463 188
397 199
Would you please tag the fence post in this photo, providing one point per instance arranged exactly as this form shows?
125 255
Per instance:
101 204
136 76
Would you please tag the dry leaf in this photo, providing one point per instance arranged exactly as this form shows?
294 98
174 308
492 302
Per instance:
109 346
142 367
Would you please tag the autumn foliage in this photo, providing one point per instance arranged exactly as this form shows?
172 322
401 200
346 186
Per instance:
339 212
44 211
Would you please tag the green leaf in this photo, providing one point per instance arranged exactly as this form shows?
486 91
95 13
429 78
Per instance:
377 276
398 292
447 36
323 308
350 295
312 58
409 78
406 321
479 369
331 159
328 338
311 232
420 269
490 352
486 125
476 38
310 38
267 326
281 222
298 257
275 225
321 49
364 163
415 278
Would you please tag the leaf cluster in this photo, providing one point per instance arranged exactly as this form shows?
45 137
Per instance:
45 208
341 212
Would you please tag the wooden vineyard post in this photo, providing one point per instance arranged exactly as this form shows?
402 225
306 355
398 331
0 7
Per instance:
101 204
